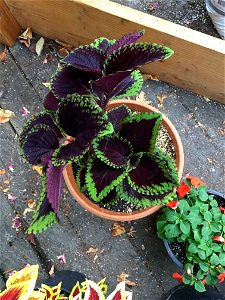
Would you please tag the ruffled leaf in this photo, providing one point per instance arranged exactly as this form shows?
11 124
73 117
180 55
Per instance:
19 291
141 130
69 80
112 150
110 86
51 102
78 114
54 178
44 215
129 38
102 44
130 57
51 293
129 194
29 273
93 291
87 59
134 88
154 174
43 118
39 142
119 293
117 115
101 178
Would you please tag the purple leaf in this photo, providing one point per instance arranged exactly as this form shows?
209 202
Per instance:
39 142
111 85
130 57
69 81
53 186
87 59
141 130
126 39
51 102
101 178
113 150
116 116
147 172
43 118
78 115
73 151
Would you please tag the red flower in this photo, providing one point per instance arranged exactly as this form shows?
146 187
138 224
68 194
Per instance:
219 239
221 277
195 181
204 281
182 190
173 204
178 277
222 209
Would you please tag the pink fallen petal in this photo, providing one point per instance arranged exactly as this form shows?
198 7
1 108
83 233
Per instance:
11 197
24 111
10 167
61 259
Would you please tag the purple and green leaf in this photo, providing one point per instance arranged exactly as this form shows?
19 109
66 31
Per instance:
39 142
113 150
101 178
141 130
51 102
87 59
117 115
44 215
102 44
129 38
130 57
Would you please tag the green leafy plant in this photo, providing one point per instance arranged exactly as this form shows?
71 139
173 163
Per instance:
197 221
113 152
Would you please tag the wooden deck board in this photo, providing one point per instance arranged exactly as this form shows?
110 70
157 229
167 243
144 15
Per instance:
142 257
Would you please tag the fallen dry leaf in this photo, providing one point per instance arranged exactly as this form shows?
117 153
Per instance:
92 250
123 277
31 238
161 98
118 229
150 77
46 84
67 46
95 258
27 210
31 203
38 169
52 270
2 171
63 52
142 97
39 46
25 37
5 115
3 55
7 181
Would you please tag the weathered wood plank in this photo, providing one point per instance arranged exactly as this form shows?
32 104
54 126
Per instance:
9 28
189 67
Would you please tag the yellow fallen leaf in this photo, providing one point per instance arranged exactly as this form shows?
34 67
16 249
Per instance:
118 229
123 277
38 169
31 203
39 45
46 84
92 250
52 270
5 115
141 97
26 36
161 98
150 77
3 55
95 258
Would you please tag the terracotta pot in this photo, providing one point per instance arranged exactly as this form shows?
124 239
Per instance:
123 216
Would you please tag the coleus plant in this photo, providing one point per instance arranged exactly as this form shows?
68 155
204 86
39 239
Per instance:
197 220
21 286
113 152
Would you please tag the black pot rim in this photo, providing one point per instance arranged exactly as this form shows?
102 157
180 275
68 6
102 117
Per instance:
167 245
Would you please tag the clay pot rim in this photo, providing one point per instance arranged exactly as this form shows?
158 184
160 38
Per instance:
123 216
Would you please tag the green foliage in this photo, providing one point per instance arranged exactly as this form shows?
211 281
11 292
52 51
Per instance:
196 221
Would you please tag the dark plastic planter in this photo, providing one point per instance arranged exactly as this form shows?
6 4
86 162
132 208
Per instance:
68 279
167 246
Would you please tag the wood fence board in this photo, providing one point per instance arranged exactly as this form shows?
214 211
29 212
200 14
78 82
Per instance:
198 62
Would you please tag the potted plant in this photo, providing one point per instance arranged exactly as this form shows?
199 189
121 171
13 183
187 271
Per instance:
21 286
193 229
111 148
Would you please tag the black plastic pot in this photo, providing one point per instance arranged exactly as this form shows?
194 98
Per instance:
68 279
219 196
